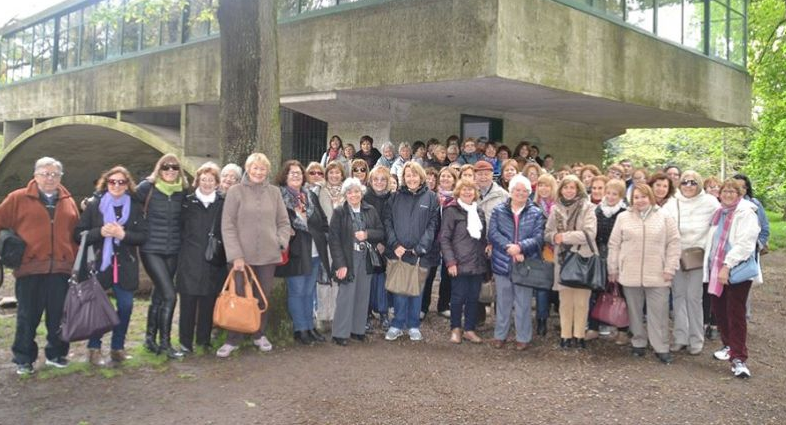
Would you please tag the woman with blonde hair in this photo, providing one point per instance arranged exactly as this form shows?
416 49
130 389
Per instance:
377 196
359 170
545 199
161 196
467 171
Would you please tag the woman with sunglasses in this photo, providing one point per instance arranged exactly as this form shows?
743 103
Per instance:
359 170
115 227
161 195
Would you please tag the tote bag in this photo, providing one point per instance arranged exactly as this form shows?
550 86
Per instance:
583 272
611 308
240 313
404 278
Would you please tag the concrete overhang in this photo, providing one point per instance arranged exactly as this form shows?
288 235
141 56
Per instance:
531 57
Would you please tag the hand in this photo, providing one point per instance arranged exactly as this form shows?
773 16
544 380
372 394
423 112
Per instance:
380 248
488 250
513 249
519 258
238 265
668 277
612 278
361 235
399 251
558 238
723 275
765 249
453 270
341 273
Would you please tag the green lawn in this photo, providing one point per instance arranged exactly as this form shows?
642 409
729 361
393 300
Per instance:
777 230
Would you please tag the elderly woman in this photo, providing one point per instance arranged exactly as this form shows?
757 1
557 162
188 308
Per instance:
198 281
359 170
644 253
571 225
307 250
355 229
315 177
411 221
515 233
712 186
452 152
692 208
161 196
254 216
377 197
462 239
597 189
368 152
388 156
330 196
467 172
404 155
230 176
732 243
662 187
115 227
532 171
545 200
439 158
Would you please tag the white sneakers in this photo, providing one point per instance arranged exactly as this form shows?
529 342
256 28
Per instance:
722 354
740 369
226 350
263 343
393 334
415 335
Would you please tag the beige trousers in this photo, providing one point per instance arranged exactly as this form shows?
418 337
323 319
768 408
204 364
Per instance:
573 312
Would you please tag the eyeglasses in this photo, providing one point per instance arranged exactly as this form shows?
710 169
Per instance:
118 182
359 170
316 173
170 167
50 174
294 173
689 183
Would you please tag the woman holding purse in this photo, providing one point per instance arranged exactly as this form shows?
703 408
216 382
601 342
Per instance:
115 228
355 229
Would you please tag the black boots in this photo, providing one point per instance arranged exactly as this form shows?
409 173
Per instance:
541 327
316 336
565 342
152 327
303 338
165 314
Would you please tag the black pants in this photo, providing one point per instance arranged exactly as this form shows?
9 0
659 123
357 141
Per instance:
36 294
443 302
196 311
161 269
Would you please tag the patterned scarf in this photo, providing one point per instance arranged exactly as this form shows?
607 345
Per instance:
722 218
297 201
335 195
333 154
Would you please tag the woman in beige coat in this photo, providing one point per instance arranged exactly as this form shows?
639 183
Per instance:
644 253
256 230
571 225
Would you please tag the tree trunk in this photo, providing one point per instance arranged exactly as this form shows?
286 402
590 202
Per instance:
269 126
240 59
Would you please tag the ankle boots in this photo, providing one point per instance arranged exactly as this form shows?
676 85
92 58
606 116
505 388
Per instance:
541 327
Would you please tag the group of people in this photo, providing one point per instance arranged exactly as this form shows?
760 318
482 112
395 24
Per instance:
469 210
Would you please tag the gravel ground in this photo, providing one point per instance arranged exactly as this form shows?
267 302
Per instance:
425 382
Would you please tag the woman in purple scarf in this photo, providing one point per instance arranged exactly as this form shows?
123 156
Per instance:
115 227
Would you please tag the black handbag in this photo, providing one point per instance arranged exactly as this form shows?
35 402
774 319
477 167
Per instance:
534 273
87 311
214 252
583 272
12 249
373 259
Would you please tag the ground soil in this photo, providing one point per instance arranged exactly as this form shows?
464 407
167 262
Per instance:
424 382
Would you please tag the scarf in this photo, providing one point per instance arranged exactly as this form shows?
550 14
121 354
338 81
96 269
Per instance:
546 205
205 199
107 209
608 210
169 188
335 194
474 226
332 154
572 210
722 218
297 201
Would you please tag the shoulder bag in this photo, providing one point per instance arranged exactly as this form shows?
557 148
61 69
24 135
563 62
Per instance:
611 308
87 311
744 271
690 258
373 259
240 313
488 291
583 272
404 278
533 272
214 252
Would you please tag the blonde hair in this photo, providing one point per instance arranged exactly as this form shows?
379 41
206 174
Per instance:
381 171
550 181
616 185
168 158
463 183
416 168
581 191
257 158
208 168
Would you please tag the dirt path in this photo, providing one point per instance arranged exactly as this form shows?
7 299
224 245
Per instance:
429 382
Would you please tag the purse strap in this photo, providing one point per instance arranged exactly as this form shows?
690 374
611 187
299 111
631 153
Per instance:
590 242
249 276
91 258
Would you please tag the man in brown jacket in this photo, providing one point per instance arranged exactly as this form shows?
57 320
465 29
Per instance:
44 215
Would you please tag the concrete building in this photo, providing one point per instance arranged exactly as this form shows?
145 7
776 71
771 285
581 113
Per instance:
566 73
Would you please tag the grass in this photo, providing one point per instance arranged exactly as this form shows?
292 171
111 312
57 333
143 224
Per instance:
777 230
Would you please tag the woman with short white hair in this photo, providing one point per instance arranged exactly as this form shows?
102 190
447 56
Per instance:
355 228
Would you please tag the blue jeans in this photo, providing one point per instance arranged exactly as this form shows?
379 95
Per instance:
379 295
407 314
464 293
300 297
542 303
125 304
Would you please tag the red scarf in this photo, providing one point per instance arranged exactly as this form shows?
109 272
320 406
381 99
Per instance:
719 252
332 154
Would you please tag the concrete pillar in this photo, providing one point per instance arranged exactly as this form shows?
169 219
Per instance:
12 130
199 130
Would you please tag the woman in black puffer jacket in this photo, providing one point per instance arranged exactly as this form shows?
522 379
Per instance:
377 196
162 195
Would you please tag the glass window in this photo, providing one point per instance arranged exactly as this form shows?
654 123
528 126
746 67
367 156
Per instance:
309 5
88 36
693 24
737 5
74 28
38 48
670 20
62 42
25 47
171 24
609 7
152 32
48 53
130 36
641 13
3 60
718 40
736 38
198 25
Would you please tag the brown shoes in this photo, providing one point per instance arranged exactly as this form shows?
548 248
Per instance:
521 346
119 356
622 338
455 335
95 358
472 337
497 343
591 334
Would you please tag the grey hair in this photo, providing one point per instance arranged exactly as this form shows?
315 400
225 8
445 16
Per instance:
404 145
387 145
517 180
352 183
232 167
46 162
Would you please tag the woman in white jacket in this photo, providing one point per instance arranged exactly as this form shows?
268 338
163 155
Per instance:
692 208
731 267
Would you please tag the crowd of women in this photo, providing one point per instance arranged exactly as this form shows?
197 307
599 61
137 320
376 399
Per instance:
676 244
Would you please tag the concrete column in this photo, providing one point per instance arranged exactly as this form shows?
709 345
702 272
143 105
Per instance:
12 130
199 130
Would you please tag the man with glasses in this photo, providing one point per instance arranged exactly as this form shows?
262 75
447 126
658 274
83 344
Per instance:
44 215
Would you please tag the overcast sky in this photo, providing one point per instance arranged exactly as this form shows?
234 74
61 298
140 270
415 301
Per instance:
21 9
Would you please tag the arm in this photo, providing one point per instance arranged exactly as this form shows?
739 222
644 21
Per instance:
496 238
335 239
673 248
387 221
589 225
136 229
551 226
229 231
764 224
375 233
446 236
746 233
427 240
615 242
532 246
283 226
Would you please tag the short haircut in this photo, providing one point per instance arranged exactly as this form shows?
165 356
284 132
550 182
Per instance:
460 184
381 171
233 168
694 174
602 178
644 189
548 180
581 191
733 183
47 162
101 185
530 165
710 181
660 175
352 183
517 180
450 170
257 158
209 167
616 185
469 140
283 173
313 165
387 145
466 167
367 138
335 165
503 148
591 168
416 168
404 145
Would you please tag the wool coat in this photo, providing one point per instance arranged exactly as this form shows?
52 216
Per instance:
574 239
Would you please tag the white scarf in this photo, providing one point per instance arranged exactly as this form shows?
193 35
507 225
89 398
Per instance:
609 210
205 199
474 226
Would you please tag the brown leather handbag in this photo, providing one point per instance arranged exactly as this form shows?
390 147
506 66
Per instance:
691 258
240 313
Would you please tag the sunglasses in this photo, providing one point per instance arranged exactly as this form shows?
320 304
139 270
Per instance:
170 167
119 182
316 173
359 170
689 183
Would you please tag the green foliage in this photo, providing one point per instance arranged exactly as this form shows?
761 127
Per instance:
777 230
